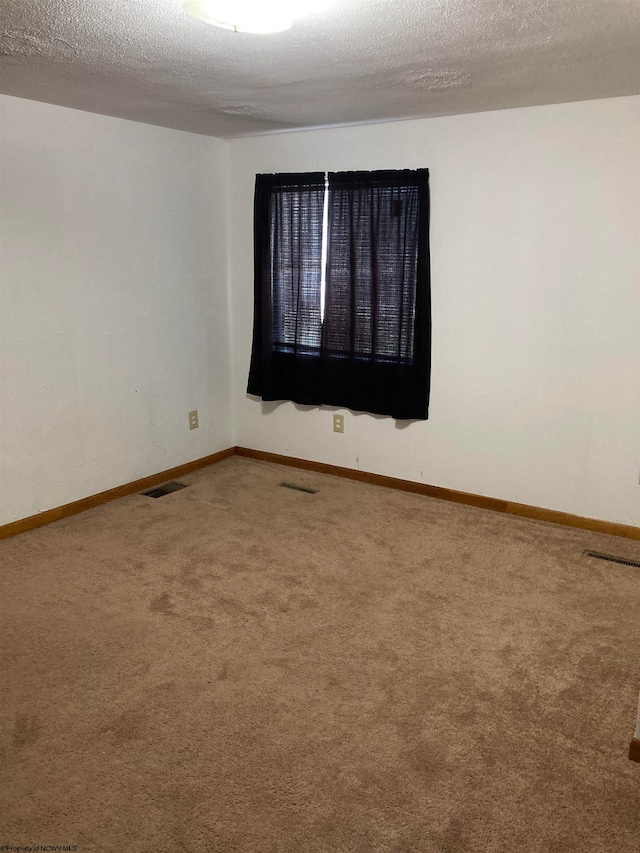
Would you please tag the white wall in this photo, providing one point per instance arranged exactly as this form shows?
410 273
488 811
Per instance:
114 316
536 305
113 301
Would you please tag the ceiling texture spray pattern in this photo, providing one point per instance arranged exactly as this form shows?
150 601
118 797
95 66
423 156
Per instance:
358 61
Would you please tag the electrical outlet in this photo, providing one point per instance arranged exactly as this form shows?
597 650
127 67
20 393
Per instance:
193 419
338 423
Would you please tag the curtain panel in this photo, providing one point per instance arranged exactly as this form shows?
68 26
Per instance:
342 291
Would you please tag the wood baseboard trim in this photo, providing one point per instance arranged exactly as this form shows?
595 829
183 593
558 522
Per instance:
495 504
634 750
55 514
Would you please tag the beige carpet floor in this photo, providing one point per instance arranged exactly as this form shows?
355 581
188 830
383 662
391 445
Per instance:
241 667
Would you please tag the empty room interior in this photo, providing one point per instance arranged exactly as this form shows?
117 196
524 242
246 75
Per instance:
320 426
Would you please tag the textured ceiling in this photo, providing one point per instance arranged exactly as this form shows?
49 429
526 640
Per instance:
359 61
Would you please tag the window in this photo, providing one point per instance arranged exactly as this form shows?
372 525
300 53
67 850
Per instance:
342 291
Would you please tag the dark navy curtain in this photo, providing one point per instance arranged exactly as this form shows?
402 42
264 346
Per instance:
371 350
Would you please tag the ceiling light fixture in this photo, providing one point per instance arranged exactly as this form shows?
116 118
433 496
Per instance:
253 16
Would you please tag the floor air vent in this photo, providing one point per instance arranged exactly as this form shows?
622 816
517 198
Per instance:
164 489
611 559
297 488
